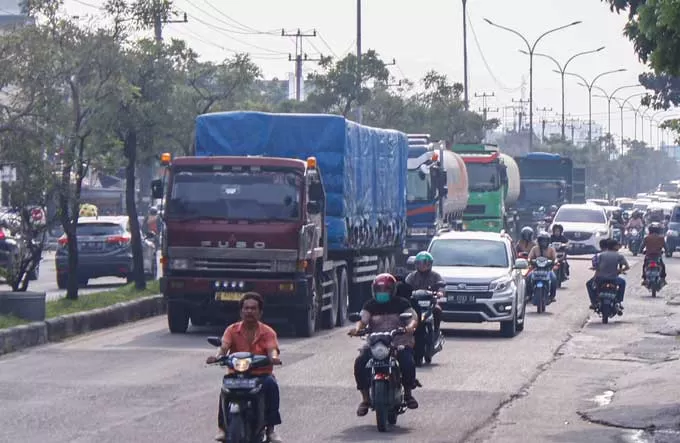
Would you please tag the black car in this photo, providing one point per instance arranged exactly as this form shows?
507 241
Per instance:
104 250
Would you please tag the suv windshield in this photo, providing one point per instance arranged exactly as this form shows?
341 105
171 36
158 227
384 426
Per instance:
473 253
541 192
483 176
97 229
242 195
418 189
580 215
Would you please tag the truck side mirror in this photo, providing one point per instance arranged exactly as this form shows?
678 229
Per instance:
157 189
313 207
315 191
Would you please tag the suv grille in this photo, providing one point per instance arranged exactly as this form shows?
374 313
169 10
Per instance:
578 236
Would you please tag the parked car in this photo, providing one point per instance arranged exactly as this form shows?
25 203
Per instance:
104 250
484 282
584 226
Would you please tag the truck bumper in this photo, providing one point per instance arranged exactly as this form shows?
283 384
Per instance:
483 225
218 300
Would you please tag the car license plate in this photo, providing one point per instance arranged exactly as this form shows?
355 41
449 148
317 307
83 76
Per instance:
228 296
461 299
240 383
424 303
576 245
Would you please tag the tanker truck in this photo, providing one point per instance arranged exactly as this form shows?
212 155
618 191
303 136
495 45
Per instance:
437 193
494 185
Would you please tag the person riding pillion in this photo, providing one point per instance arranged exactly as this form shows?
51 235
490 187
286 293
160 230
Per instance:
653 246
558 237
543 249
381 314
526 240
425 278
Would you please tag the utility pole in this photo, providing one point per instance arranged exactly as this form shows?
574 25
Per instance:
485 108
465 56
572 127
360 114
521 103
158 21
300 57
543 121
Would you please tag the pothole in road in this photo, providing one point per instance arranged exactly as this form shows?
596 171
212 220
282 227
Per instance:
604 399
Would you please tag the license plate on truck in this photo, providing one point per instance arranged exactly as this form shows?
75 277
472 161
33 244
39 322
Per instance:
228 296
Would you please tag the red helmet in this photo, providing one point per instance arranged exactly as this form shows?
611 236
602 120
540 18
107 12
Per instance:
384 283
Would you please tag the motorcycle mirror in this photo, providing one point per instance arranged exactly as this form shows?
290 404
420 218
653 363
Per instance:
439 285
406 316
354 316
215 341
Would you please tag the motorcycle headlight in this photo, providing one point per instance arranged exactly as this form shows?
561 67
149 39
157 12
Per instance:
380 351
241 364
500 285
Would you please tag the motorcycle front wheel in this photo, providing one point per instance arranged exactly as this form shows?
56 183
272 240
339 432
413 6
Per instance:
236 429
381 403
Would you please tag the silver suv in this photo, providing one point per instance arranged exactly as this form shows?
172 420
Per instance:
483 279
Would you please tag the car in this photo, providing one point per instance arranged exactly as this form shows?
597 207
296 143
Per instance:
484 282
584 226
14 246
104 250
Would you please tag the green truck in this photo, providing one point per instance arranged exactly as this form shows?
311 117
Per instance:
493 183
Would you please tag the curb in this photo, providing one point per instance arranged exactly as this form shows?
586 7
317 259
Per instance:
60 328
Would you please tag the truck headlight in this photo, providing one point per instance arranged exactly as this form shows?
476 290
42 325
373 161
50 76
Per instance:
179 263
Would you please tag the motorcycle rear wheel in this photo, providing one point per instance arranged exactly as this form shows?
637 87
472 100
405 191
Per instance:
604 311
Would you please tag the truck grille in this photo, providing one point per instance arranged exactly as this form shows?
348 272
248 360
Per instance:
475 209
578 236
221 264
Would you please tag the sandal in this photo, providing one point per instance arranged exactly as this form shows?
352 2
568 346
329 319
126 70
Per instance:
411 402
363 409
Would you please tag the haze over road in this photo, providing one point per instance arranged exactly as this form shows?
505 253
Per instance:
139 383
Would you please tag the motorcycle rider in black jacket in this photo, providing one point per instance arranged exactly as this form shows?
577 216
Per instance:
425 278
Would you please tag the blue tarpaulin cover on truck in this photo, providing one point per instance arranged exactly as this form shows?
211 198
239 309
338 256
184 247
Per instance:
363 168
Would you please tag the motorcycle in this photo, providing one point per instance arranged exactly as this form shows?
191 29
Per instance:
653 276
617 234
560 265
540 281
242 403
635 241
386 392
607 306
428 343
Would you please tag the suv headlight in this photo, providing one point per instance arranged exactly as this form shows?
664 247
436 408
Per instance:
179 263
501 285
601 233
672 233
379 351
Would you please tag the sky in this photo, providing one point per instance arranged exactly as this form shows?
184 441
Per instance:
428 35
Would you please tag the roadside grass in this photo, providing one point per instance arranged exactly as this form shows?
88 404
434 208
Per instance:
88 302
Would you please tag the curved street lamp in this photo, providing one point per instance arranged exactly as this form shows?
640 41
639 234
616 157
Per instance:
531 48
609 98
621 106
589 86
562 70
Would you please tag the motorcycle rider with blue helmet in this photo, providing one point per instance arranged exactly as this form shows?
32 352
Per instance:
425 278
543 249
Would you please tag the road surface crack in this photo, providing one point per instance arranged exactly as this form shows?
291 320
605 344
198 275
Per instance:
585 417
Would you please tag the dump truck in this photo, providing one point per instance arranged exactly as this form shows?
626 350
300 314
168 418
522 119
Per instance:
304 209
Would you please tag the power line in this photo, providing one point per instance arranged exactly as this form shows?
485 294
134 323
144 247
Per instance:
226 32
240 28
323 40
247 29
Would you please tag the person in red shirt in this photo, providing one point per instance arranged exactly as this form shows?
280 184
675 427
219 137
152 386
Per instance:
653 247
251 335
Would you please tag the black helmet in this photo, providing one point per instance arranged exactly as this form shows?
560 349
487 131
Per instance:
543 239
616 213
655 228
558 226
526 234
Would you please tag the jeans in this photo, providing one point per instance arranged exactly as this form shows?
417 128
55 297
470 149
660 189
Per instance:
272 399
553 284
661 264
591 287
407 366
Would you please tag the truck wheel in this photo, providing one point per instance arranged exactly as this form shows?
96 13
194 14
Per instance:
178 318
306 323
343 297
330 316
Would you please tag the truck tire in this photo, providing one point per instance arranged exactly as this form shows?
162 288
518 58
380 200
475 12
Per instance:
305 325
329 316
343 297
178 318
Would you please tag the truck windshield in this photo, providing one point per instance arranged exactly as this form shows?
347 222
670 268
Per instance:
418 189
261 195
542 192
483 176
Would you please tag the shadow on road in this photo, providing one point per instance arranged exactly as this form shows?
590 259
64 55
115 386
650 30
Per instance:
370 433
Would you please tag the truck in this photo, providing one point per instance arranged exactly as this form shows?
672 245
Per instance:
493 183
547 179
436 194
304 209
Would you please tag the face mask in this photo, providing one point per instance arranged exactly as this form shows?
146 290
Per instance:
382 297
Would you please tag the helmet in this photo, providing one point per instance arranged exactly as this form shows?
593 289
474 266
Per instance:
543 239
526 234
655 228
558 226
384 287
637 213
424 261
616 213
625 216
553 208
153 211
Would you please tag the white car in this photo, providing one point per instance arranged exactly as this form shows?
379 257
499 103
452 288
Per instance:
584 226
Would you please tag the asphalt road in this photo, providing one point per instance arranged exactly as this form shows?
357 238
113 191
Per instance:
47 281
139 383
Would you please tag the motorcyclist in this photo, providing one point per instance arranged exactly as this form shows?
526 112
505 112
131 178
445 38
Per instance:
543 249
636 221
526 240
251 335
558 237
425 278
653 246
608 264
553 211
381 314
617 219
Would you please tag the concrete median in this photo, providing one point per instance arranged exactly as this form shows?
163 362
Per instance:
60 328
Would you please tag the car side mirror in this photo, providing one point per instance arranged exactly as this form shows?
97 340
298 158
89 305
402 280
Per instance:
157 189
215 341
313 207
521 263
354 316
411 260
406 316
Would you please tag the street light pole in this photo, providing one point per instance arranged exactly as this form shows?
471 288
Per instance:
360 113
609 98
465 55
621 106
531 48
562 69
589 86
